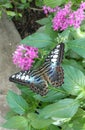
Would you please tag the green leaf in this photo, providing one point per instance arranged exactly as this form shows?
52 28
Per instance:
78 46
38 123
44 21
7 5
23 1
78 32
38 40
11 13
73 55
74 64
53 127
23 6
25 90
39 3
41 29
80 113
17 103
0 13
65 36
53 3
10 114
16 122
65 108
77 122
52 96
74 80
48 30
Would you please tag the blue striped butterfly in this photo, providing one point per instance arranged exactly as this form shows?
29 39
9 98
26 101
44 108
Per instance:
49 73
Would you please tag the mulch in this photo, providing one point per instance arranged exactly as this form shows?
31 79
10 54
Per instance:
27 25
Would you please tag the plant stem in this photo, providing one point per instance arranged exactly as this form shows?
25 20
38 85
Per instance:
35 9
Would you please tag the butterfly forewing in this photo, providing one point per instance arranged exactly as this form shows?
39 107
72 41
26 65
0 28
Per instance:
56 55
35 82
50 72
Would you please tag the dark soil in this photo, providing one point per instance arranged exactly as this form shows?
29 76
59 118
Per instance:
27 24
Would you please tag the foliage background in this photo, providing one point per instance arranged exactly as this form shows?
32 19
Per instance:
64 107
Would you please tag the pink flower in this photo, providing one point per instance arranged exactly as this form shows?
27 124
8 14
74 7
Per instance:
66 17
48 9
82 5
60 21
24 56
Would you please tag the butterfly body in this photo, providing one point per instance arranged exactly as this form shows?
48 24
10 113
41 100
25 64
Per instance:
49 73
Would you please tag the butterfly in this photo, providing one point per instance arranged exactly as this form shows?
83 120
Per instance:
49 73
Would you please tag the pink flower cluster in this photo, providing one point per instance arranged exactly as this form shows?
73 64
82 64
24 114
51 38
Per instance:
24 56
66 17
50 10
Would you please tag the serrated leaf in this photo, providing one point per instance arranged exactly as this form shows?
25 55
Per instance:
65 108
53 3
74 80
16 122
17 103
38 40
78 46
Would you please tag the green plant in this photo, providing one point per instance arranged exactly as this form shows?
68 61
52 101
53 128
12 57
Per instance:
63 107
15 8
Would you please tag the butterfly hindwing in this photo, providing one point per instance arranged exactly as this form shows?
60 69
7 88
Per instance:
35 81
56 77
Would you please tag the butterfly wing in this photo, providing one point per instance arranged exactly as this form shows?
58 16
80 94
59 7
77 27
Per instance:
54 71
56 77
35 81
49 72
56 55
